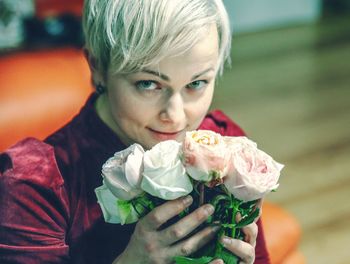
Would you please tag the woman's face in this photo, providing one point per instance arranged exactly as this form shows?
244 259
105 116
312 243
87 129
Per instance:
162 103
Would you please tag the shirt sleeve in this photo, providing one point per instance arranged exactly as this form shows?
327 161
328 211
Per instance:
220 123
33 209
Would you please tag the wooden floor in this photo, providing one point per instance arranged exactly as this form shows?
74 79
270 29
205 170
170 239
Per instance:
290 90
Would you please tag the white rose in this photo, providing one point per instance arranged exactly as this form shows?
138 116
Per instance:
112 212
122 173
164 175
254 173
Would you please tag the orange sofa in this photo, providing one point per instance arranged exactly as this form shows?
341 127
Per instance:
42 90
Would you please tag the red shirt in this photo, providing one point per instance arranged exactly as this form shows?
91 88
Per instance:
48 208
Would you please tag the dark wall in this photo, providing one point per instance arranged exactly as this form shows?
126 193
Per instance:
336 7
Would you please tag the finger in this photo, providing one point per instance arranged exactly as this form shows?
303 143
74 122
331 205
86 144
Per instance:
164 212
194 243
216 261
250 233
259 205
186 225
238 217
240 248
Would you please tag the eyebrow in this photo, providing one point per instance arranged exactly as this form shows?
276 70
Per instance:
166 78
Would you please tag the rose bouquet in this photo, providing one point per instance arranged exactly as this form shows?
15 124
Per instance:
231 173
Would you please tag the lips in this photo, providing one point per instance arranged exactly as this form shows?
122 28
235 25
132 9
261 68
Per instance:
165 135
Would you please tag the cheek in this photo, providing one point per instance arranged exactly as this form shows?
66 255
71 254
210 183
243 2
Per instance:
127 110
199 108
118 105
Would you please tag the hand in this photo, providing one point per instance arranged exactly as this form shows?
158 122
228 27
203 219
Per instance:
149 244
245 250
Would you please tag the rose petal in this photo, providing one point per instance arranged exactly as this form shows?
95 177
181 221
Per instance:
108 204
164 175
206 152
122 172
133 166
254 173
167 184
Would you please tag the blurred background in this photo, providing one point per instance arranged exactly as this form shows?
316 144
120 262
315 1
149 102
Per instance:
288 87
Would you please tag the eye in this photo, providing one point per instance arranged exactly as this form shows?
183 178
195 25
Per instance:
147 85
197 85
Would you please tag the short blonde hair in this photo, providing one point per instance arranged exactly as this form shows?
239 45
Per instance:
127 35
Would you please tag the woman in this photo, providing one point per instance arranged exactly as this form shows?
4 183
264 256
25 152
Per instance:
154 65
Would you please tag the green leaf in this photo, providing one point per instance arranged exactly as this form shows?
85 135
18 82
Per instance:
218 199
214 174
143 204
146 201
248 219
124 210
186 260
229 225
228 257
140 209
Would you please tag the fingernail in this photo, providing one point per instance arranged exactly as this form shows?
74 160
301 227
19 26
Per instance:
217 261
238 217
225 241
209 209
215 228
187 200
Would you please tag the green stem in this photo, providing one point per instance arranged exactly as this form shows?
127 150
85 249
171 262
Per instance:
233 215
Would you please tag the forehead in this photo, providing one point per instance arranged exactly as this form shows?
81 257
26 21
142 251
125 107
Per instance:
208 43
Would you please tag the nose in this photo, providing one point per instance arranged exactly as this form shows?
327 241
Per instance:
173 110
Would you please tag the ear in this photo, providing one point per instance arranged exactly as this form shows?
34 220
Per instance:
96 73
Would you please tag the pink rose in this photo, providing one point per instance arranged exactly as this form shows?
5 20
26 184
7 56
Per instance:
206 157
122 173
253 173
